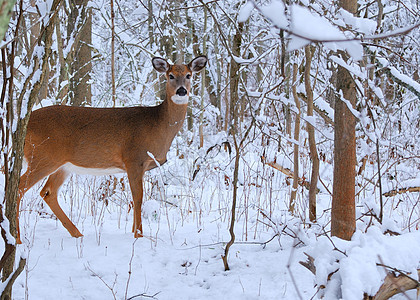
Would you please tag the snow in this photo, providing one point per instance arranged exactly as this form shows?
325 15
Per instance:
364 25
306 27
185 226
6 226
245 12
363 266
405 78
185 266
413 182
275 12
311 26
310 119
324 106
187 201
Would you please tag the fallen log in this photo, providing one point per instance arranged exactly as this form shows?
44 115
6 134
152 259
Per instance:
393 284
289 174
401 191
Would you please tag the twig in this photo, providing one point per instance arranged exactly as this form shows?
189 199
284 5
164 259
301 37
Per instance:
143 295
129 268
87 266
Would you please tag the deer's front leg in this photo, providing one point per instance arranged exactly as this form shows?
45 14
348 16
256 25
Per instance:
135 178
50 192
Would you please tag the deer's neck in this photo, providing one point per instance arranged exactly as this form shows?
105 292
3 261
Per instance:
174 114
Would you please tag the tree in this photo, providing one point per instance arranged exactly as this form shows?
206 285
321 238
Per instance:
6 9
343 213
80 21
311 137
234 102
23 107
296 135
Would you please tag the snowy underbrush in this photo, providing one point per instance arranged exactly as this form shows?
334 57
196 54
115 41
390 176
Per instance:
186 215
350 269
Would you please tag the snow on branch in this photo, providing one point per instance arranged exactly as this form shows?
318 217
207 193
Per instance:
412 185
399 77
305 27
340 267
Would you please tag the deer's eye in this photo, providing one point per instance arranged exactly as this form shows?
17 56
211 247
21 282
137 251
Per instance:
188 76
171 76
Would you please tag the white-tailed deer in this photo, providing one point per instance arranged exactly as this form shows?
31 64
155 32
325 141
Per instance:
62 139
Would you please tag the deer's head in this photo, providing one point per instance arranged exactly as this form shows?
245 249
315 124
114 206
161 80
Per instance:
178 84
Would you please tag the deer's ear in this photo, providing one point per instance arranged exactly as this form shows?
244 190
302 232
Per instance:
198 63
160 64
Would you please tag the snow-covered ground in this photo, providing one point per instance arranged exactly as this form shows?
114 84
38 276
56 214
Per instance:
187 203
108 263
186 216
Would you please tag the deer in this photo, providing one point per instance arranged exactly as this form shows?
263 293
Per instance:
62 140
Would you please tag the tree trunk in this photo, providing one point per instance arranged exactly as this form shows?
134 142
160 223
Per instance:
234 76
80 89
18 138
114 93
6 9
311 136
343 215
203 85
295 146
218 68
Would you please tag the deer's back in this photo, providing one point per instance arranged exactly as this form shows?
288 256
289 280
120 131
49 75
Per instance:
88 137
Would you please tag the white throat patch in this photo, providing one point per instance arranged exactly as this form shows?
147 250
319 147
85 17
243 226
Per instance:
180 99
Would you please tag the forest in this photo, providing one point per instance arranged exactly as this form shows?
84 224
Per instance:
295 173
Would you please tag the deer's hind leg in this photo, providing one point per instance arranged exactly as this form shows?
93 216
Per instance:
50 192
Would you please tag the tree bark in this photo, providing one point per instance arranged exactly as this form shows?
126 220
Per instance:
114 93
6 9
295 146
343 213
234 76
203 85
81 65
313 153
18 138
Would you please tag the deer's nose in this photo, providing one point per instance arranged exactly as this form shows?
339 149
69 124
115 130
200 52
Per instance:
181 91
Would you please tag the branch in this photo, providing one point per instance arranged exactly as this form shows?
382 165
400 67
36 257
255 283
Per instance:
401 191
288 173
309 263
9 246
393 284
13 277
389 71
398 32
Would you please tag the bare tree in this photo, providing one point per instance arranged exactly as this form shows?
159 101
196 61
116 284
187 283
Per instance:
22 109
313 153
234 103
114 94
6 9
80 23
296 135
343 215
